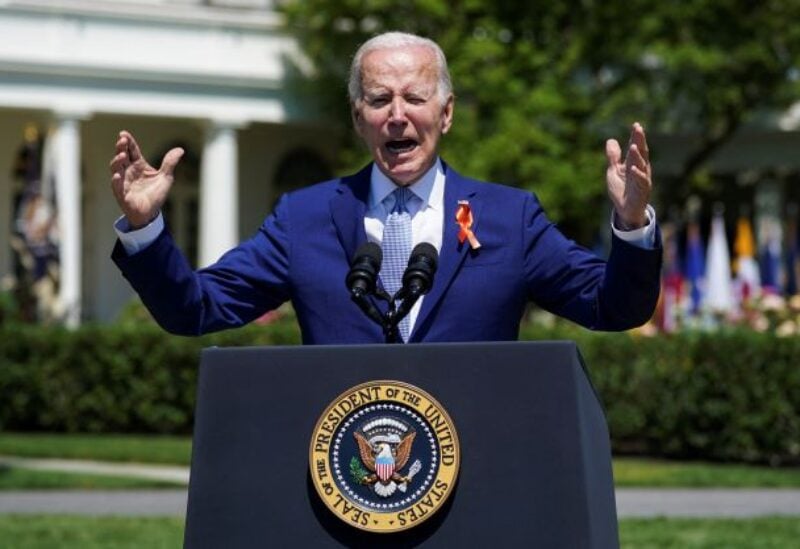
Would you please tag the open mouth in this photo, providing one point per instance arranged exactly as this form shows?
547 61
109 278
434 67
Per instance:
399 146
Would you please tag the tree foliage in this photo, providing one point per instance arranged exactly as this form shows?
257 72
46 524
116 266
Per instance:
540 85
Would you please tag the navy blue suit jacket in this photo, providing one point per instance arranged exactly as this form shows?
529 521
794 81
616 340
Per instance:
303 250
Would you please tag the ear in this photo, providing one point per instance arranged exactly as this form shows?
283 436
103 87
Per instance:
355 115
447 113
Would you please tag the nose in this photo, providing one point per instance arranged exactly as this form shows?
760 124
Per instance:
397 111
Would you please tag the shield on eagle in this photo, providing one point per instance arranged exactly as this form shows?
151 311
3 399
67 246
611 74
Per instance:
384 466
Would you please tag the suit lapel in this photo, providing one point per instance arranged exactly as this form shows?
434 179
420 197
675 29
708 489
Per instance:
348 208
452 254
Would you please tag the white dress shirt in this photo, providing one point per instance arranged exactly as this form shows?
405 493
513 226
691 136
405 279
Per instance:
426 208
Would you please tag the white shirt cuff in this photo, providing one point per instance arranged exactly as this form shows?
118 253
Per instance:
137 240
643 237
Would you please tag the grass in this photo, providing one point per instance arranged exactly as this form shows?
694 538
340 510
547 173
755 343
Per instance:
628 472
125 448
72 532
633 472
14 478
758 533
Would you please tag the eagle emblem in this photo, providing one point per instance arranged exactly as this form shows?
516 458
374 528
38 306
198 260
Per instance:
384 446
384 456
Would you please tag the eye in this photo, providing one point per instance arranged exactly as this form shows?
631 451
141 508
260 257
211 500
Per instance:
377 101
415 100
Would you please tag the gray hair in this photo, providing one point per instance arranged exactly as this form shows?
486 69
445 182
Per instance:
390 40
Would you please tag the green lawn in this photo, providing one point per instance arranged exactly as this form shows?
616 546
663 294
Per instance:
69 532
628 472
131 448
72 532
760 533
14 478
633 472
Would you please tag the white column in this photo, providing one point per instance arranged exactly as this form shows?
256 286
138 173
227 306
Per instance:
67 145
219 193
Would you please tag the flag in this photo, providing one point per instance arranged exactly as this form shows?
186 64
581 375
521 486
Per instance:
748 279
718 297
791 259
667 309
695 266
770 256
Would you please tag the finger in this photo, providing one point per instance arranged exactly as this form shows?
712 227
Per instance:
119 175
638 138
171 160
634 158
613 153
133 147
118 171
641 178
116 180
119 162
121 145
118 186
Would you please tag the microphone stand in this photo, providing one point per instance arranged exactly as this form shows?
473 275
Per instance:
395 314
389 321
361 299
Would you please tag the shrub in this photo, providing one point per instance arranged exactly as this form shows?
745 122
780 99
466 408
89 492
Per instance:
726 395
731 395
131 377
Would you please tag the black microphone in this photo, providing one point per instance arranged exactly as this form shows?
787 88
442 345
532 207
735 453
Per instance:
363 275
418 277
362 280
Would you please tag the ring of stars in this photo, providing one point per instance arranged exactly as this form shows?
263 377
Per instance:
342 477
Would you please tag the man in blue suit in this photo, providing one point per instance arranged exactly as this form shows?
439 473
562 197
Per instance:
500 254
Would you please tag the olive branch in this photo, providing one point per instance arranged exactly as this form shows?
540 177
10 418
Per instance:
357 471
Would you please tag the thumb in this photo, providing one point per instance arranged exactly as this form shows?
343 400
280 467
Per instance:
171 160
613 152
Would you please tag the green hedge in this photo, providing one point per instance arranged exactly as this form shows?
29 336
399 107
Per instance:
131 378
728 395
725 396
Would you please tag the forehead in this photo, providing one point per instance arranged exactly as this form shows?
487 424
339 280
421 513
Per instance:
399 68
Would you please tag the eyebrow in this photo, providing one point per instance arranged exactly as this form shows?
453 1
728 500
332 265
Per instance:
421 91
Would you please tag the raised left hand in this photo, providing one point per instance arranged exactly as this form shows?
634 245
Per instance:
629 180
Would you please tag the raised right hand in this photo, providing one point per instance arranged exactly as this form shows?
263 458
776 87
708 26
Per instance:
140 189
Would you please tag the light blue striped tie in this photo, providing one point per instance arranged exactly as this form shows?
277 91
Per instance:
397 249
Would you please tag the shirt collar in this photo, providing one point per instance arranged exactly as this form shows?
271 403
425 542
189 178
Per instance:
429 188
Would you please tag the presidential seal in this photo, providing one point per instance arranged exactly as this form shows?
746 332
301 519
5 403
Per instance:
384 456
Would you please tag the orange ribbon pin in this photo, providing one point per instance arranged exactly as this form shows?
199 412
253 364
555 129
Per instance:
464 219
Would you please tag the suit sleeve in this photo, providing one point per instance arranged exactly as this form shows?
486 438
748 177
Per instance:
571 281
246 282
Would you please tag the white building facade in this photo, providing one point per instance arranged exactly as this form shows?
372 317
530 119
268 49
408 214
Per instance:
218 77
